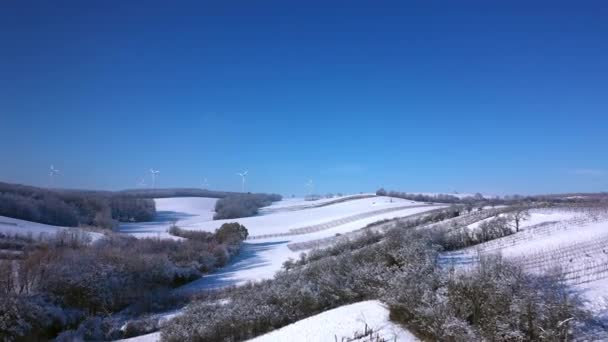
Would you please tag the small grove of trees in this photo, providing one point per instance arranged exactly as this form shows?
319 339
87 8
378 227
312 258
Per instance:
461 237
72 208
242 205
67 282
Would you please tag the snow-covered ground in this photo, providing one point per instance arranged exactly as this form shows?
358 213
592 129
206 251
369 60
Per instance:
283 222
339 323
342 322
576 241
298 203
153 337
537 216
185 211
262 258
12 226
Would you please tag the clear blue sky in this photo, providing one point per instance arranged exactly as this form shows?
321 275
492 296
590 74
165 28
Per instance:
414 96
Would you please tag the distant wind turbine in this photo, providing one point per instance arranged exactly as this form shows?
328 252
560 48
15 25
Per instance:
310 186
243 174
52 174
154 175
205 184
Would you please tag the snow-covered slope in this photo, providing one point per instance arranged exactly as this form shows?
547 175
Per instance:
11 226
537 216
574 240
264 254
262 258
339 323
185 211
283 222
153 337
342 322
299 203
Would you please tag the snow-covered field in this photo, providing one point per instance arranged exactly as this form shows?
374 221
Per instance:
537 216
283 222
153 337
185 211
298 203
270 233
12 226
262 258
341 323
575 241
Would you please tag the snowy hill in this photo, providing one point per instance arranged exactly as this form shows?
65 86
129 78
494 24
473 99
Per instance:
262 256
13 226
342 323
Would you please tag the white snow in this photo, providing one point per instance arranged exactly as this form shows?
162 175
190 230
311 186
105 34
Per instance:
185 211
341 322
595 294
537 216
297 203
575 241
261 258
10 226
153 337
282 222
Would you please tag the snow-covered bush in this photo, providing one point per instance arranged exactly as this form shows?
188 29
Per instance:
97 279
313 286
453 238
496 300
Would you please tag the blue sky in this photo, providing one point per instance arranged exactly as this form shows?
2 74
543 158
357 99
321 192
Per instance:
413 96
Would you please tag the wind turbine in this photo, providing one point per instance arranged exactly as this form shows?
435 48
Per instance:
310 186
52 174
243 174
205 184
154 174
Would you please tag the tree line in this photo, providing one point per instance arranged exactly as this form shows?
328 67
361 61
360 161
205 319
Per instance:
73 208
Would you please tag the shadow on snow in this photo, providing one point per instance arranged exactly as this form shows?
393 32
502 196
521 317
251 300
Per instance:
248 258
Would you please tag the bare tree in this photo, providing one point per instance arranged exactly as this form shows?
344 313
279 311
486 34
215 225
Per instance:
521 213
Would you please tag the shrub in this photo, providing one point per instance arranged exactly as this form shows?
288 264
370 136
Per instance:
231 233
495 301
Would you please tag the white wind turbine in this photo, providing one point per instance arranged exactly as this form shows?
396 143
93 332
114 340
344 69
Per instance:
243 174
154 175
310 186
52 174
205 184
